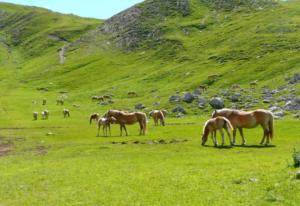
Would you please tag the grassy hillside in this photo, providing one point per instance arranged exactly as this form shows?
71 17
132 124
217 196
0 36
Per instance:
156 49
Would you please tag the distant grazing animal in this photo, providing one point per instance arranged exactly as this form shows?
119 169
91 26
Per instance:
44 101
45 114
66 113
203 88
158 115
107 97
125 118
35 115
98 98
236 86
94 117
213 77
60 102
105 123
212 126
253 84
241 119
132 94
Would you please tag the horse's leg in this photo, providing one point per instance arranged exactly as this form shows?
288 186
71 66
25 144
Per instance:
109 130
242 135
228 133
234 136
99 127
222 134
264 136
104 130
215 138
121 130
125 129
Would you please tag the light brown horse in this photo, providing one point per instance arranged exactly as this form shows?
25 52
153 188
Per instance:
158 115
125 118
212 126
241 119
94 117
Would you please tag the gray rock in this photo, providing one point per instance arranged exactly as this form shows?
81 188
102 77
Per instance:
274 109
179 115
179 109
234 98
295 79
188 98
217 103
202 102
292 106
174 98
140 106
278 114
267 101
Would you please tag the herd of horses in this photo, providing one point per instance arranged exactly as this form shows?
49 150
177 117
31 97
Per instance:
228 119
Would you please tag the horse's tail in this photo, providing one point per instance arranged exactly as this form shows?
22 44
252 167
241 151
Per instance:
227 123
271 127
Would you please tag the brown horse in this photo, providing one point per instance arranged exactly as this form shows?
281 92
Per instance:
241 119
94 117
158 115
212 125
125 118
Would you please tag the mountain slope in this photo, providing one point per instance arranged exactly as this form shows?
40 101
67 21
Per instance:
157 49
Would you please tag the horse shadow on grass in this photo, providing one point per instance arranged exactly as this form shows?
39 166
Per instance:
241 146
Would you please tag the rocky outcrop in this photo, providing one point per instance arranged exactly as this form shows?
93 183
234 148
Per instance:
139 22
229 5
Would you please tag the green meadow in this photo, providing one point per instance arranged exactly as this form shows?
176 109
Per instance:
62 161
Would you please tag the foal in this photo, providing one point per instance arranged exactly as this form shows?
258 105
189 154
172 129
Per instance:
105 123
212 125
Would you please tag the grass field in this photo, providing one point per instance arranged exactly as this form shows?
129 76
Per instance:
74 167
62 162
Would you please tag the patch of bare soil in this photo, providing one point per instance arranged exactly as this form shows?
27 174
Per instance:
42 150
5 148
152 142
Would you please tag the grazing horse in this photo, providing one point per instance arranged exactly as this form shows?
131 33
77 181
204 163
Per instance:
60 102
125 118
45 114
44 102
66 113
94 117
35 115
212 125
105 123
241 119
158 115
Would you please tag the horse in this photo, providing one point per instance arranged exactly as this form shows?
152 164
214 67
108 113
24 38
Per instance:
253 84
60 102
35 115
66 113
132 94
212 125
45 114
44 102
158 115
241 119
125 118
94 117
105 123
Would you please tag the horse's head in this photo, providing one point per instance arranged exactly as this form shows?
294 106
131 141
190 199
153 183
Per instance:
112 120
205 133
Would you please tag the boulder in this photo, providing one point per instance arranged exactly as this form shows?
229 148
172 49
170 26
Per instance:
217 103
278 114
295 79
292 106
267 101
179 109
174 98
140 106
235 98
188 98
202 102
